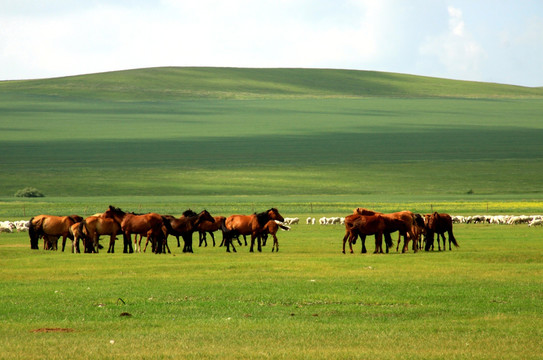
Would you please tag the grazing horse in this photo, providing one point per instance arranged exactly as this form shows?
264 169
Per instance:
248 225
146 225
363 225
271 228
94 226
438 224
51 227
209 227
186 225
401 221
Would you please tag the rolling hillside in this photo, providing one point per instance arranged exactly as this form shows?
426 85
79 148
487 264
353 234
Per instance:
319 135
157 84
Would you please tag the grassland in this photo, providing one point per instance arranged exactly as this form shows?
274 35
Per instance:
481 301
289 135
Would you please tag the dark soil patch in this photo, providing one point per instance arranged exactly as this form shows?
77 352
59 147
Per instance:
47 330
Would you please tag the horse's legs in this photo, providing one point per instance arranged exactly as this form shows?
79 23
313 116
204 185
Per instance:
252 243
111 248
127 239
275 243
212 237
136 247
399 240
202 237
378 243
363 241
347 234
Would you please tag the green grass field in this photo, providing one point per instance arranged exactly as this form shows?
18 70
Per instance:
290 134
480 301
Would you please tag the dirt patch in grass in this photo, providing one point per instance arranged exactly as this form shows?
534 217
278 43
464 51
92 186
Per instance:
47 330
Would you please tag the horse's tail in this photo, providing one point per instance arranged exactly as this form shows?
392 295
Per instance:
167 225
223 226
282 225
388 239
452 238
34 235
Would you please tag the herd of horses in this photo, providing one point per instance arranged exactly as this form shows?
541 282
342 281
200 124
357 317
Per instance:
412 227
156 228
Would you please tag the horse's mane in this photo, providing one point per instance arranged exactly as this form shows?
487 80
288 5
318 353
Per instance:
263 217
116 210
189 213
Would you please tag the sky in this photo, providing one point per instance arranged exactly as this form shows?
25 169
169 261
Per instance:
498 41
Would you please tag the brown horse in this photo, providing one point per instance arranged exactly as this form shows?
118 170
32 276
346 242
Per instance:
146 225
271 228
186 225
94 226
401 221
209 227
77 234
248 225
418 229
363 225
438 224
51 227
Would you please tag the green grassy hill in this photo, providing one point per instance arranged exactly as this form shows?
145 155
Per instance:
282 135
157 84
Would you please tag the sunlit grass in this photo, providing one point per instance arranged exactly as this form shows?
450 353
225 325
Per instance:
308 300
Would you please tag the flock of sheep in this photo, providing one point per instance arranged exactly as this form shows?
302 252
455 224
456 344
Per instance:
11 226
531 220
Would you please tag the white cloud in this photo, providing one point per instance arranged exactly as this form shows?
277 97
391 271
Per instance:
427 37
456 24
458 53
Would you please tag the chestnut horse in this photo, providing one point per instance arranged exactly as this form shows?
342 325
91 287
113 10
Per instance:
363 225
248 224
438 224
209 227
186 225
146 225
94 226
401 221
271 228
51 227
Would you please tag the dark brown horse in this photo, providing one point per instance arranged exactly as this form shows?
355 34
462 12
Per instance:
51 227
145 225
209 227
363 225
401 221
186 225
248 225
438 224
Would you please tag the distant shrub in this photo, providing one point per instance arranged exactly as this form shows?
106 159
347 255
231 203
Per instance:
470 191
29 192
